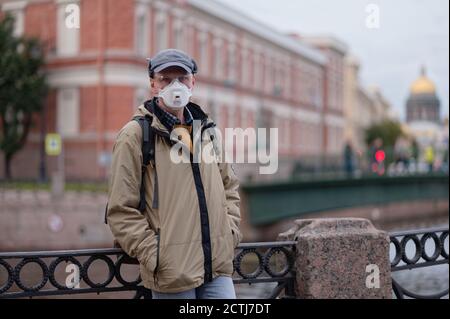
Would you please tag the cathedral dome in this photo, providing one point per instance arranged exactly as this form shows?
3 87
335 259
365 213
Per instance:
423 85
423 104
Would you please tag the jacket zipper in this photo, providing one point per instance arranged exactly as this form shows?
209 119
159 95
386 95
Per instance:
206 240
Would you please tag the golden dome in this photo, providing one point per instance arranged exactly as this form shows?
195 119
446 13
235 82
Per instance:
423 85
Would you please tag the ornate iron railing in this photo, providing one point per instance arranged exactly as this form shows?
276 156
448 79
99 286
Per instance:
263 258
405 258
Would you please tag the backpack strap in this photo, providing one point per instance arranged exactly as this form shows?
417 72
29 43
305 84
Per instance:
148 153
148 157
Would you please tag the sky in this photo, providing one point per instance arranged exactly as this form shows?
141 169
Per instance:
411 33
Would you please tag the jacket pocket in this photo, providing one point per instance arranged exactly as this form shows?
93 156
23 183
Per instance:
155 271
234 235
235 238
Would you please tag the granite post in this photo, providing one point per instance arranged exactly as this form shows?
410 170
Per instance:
340 259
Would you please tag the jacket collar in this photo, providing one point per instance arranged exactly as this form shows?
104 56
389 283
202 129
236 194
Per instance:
149 109
166 118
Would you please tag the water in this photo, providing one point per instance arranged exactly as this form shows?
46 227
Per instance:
254 291
424 281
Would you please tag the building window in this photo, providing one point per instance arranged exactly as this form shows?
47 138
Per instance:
188 39
218 59
161 32
16 10
178 36
18 22
224 118
68 34
141 30
231 116
203 43
268 75
213 111
257 70
245 67
140 96
231 65
68 112
288 88
244 120
287 124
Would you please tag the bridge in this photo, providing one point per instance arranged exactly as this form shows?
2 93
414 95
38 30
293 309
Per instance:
273 202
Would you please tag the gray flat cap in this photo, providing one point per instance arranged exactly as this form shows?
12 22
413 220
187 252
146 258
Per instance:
171 57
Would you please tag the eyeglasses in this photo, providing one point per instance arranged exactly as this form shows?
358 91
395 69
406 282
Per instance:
166 80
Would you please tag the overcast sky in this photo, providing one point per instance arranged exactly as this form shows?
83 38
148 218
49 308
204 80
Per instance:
411 33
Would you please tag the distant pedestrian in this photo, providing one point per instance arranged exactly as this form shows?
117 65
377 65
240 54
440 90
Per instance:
429 158
349 160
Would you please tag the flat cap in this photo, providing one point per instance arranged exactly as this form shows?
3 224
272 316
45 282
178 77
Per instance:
171 57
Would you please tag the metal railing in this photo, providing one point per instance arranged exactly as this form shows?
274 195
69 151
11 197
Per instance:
270 262
419 256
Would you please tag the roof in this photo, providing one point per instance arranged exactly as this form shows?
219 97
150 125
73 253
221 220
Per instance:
326 41
242 21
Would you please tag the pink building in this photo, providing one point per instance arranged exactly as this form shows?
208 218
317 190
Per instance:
250 76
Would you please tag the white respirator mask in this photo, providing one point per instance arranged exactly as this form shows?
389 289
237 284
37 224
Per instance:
176 95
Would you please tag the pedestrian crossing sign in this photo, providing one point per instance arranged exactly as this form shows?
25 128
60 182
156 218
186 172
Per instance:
53 144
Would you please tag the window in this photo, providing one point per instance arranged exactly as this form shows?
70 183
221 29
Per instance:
218 59
161 32
231 116
16 10
268 76
257 67
213 111
140 96
68 112
245 67
204 52
287 124
278 74
68 34
288 83
231 62
141 30
188 39
178 36
244 121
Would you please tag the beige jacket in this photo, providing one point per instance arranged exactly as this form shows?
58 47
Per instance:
190 226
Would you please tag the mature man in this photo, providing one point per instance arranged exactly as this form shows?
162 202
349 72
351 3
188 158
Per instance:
185 230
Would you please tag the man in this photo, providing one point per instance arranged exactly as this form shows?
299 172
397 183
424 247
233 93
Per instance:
429 158
349 159
185 237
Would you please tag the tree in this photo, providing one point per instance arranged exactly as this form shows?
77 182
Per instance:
22 89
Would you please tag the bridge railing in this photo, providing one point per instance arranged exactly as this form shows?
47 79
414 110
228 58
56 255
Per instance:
268 262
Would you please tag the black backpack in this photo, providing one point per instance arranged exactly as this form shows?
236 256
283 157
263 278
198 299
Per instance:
148 156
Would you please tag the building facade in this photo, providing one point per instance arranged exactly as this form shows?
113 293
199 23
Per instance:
250 76
364 107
